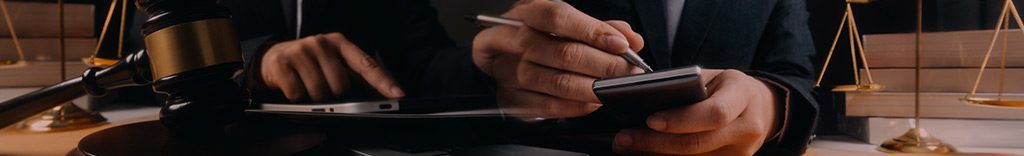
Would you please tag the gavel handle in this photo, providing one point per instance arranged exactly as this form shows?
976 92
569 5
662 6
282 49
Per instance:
132 70
21 107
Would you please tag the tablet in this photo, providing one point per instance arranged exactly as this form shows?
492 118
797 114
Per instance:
343 107
391 106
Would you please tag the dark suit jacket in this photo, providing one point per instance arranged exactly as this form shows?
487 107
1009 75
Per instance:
764 38
403 35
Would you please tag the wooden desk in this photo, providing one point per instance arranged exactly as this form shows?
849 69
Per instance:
13 142
16 142
848 146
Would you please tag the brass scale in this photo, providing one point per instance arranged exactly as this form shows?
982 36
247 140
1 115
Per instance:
67 116
916 140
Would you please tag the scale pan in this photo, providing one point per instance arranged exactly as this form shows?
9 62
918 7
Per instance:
99 62
7 64
858 88
992 102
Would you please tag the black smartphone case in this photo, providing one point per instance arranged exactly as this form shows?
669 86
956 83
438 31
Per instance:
630 103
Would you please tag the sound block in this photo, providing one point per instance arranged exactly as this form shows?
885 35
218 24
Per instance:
152 138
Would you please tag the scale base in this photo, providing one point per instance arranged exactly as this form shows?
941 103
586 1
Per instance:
6 64
858 88
916 140
992 102
65 117
99 62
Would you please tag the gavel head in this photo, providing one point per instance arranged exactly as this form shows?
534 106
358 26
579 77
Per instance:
194 56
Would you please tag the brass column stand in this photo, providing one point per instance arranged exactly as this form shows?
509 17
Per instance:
916 140
67 116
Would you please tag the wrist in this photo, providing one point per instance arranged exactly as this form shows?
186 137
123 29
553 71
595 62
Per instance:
780 103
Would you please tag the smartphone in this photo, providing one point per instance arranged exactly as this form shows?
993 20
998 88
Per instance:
633 98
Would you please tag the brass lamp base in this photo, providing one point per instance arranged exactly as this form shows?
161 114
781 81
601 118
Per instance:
916 140
62 118
992 102
858 88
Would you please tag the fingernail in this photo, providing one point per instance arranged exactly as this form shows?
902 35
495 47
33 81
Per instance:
637 70
623 140
594 106
656 122
397 91
615 41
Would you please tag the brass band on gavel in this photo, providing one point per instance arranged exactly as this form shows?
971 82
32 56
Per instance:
194 57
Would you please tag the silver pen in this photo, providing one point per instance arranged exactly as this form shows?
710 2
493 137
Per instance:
486 20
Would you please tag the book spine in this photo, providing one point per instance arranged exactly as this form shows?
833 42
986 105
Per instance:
933 105
38 74
45 49
956 80
942 49
39 19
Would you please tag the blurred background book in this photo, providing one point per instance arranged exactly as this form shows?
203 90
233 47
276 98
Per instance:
950 63
36 24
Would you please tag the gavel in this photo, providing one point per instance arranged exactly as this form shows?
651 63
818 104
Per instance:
192 55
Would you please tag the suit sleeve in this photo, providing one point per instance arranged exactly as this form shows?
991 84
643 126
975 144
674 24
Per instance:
259 25
420 55
784 57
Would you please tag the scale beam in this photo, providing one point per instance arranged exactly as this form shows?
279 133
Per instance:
856 47
1002 25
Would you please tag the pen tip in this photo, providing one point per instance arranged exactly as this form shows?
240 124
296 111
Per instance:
647 69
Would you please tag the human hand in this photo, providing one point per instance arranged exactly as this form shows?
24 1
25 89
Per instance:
735 120
546 68
316 68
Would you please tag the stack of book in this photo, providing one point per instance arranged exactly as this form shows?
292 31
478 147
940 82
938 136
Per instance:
36 24
950 63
